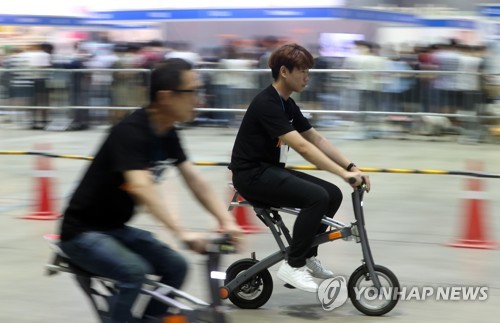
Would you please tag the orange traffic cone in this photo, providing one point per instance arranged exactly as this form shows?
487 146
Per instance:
242 211
44 207
474 232
242 214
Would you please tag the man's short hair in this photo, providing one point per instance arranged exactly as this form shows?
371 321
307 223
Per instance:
291 56
167 76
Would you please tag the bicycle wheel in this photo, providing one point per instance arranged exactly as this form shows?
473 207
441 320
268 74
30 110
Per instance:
254 292
366 298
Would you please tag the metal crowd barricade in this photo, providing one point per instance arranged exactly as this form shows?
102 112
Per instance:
420 102
372 103
375 103
61 99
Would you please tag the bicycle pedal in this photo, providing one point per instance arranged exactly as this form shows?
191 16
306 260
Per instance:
287 285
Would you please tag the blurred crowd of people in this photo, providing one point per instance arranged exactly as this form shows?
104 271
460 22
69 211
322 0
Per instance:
27 81
441 78
446 78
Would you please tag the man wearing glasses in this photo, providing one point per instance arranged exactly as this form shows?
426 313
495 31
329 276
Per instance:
123 174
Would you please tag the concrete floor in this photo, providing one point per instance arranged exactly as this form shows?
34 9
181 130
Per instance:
410 219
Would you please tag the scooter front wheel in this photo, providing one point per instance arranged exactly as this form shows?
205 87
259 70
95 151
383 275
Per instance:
366 297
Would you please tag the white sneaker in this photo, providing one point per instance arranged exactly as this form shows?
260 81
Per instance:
317 270
297 277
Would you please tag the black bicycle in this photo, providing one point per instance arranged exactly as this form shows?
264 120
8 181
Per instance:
183 307
249 284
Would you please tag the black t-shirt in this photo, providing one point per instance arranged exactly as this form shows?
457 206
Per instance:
268 117
101 201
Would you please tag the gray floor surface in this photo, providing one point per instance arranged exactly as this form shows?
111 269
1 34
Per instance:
410 220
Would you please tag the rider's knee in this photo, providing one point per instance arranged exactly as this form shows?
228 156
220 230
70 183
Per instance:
174 272
179 266
321 198
182 265
136 272
335 197
181 269
336 194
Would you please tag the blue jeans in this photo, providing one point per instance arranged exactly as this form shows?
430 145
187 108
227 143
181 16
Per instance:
127 255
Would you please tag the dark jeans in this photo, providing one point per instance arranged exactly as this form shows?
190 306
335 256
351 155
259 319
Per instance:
127 255
282 187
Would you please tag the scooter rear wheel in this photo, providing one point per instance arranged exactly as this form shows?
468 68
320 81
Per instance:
253 293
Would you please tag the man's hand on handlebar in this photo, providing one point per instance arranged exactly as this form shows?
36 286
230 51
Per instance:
235 232
198 242
357 178
194 241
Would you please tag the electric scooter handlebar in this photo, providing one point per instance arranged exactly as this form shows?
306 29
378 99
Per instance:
352 180
221 245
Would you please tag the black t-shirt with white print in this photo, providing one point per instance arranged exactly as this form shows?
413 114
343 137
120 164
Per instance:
101 201
268 117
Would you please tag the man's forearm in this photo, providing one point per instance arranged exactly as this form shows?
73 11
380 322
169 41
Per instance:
210 201
140 186
332 152
151 199
307 148
315 156
326 147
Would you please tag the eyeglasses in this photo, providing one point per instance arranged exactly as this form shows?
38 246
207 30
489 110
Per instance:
196 91
186 91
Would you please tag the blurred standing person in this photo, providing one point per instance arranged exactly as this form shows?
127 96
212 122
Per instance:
183 50
104 57
365 81
270 43
397 92
35 59
128 88
396 86
272 123
424 89
490 81
447 59
221 86
18 84
41 58
234 87
124 174
471 64
242 83
490 72
79 86
469 81
152 54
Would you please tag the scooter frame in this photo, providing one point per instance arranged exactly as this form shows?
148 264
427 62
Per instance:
99 289
271 217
